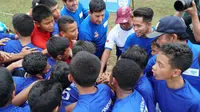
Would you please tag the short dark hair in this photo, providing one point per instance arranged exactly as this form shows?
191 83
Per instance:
83 46
34 63
23 24
57 45
180 55
154 43
144 12
127 73
63 21
85 68
97 5
45 96
41 12
7 86
136 54
49 3
60 73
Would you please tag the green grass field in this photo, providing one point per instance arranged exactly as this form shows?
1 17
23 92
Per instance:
161 8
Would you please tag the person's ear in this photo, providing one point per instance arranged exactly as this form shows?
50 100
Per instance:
70 78
176 72
62 33
37 24
59 57
13 93
174 37
56 109
149 24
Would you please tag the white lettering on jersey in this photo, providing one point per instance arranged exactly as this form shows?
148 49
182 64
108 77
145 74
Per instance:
66 94
81 14
192 72
143 107
107 106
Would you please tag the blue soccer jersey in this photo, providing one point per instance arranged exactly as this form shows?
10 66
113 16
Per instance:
145 88
6 35
22 83
12 108
132 103
100 101
69 95
79 15
184 99
55 29
89 31
194 68
142 42
15 46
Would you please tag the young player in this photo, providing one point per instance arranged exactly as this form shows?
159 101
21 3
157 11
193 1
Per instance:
142 18
53 5
84 70
118 35
45 96
95 26
36 66
172 29
125 76
44 23
74 9
143 86
7 93
154 47
170 87
23 26
83 46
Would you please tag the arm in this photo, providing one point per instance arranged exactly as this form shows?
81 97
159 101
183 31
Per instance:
22 96
195 21
6 35
70 107
104 59
14 65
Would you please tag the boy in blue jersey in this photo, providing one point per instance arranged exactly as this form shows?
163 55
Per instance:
84 70
35 65
125 76
95 26
143 86
45 96
7 93
172 29
60 73
171 89
142 18
23 25
74 9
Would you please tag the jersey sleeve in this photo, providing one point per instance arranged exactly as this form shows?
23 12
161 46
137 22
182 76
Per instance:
5 35
110 42
127 43
84 36
85 11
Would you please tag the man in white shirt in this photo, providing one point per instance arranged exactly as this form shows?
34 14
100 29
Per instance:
118 35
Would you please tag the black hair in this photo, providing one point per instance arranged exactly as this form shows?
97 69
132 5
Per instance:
45 96
57 45
63 21
180 55
49 3
126 72
34 63
144 12
85 68
41 12
60 73
83 46
97 5
23 24
7 86
136 54
154 43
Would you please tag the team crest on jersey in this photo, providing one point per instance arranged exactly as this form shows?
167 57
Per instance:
96 34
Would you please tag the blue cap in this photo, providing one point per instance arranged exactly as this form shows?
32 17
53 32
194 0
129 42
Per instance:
169 25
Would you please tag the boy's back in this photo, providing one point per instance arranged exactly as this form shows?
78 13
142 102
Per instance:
132 103
100 101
